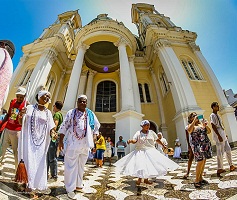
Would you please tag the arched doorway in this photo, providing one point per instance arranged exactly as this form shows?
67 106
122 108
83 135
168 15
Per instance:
153 127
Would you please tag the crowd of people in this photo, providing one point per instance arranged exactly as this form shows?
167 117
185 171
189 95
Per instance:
37 136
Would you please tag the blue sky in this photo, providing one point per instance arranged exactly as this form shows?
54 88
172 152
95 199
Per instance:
215 22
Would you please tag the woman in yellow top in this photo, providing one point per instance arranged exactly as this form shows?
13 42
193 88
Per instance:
100 148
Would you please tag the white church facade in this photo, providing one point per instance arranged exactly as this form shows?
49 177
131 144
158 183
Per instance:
159 74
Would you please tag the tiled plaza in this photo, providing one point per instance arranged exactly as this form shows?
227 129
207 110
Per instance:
106 183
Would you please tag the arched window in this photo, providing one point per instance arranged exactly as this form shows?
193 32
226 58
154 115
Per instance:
50 84
141 92
147 92
191 69
144 92
106 97
25 78
164 83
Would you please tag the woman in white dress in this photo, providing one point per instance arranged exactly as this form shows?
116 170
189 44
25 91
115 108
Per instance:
145 161
38 126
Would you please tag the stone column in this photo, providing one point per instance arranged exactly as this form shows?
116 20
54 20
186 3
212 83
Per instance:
125 77
226 111
18 69
82 84
160 105
41 71
136 95
71 95
127 120
89 87
184 99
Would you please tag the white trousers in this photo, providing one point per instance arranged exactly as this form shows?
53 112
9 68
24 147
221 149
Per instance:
221 148
74 163
9 137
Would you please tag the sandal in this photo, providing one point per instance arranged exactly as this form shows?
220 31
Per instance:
204 182
197 185
138 182
185 176
147 182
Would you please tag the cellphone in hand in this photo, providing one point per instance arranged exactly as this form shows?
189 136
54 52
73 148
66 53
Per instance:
200 117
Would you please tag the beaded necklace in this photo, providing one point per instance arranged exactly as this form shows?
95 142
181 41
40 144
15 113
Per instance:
143 141
38 140
79 137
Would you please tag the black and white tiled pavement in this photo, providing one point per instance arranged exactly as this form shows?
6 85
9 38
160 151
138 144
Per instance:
106 184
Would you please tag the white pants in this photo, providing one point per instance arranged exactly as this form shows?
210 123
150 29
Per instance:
221 148
9 137
74 163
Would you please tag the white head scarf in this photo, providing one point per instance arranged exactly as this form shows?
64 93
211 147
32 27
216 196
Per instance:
160 134
42 93
144 122
82 96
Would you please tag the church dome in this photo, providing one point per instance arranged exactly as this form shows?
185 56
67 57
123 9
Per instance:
101 17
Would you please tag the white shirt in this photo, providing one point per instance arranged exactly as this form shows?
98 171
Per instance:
216 120
66 128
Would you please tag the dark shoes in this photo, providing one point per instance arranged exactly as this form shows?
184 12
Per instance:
220 171
201 183
204 182
232 168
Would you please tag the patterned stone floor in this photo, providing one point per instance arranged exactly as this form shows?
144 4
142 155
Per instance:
106 184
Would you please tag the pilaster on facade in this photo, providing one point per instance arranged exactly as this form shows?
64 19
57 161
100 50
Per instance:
90 86
83 81
41 72
137 102
19 69
159 100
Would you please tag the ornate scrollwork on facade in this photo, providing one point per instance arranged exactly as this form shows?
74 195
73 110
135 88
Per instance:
92 72
82 46
84 72
121 42
50 54
162 43
131 58
24 58
194 47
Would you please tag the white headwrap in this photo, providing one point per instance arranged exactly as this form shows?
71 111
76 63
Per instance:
144 122
160 134
42 93
82 96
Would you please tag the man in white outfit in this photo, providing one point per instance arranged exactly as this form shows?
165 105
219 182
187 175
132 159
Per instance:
219 136
77 135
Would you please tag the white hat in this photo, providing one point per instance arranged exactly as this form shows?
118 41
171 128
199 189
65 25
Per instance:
144 122
21 91
82 96
177 140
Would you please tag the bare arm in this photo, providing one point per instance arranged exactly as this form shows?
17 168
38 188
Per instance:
132 141
60 145
216 132
191 126
4 120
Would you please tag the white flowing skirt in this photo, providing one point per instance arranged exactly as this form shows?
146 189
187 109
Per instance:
146 163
